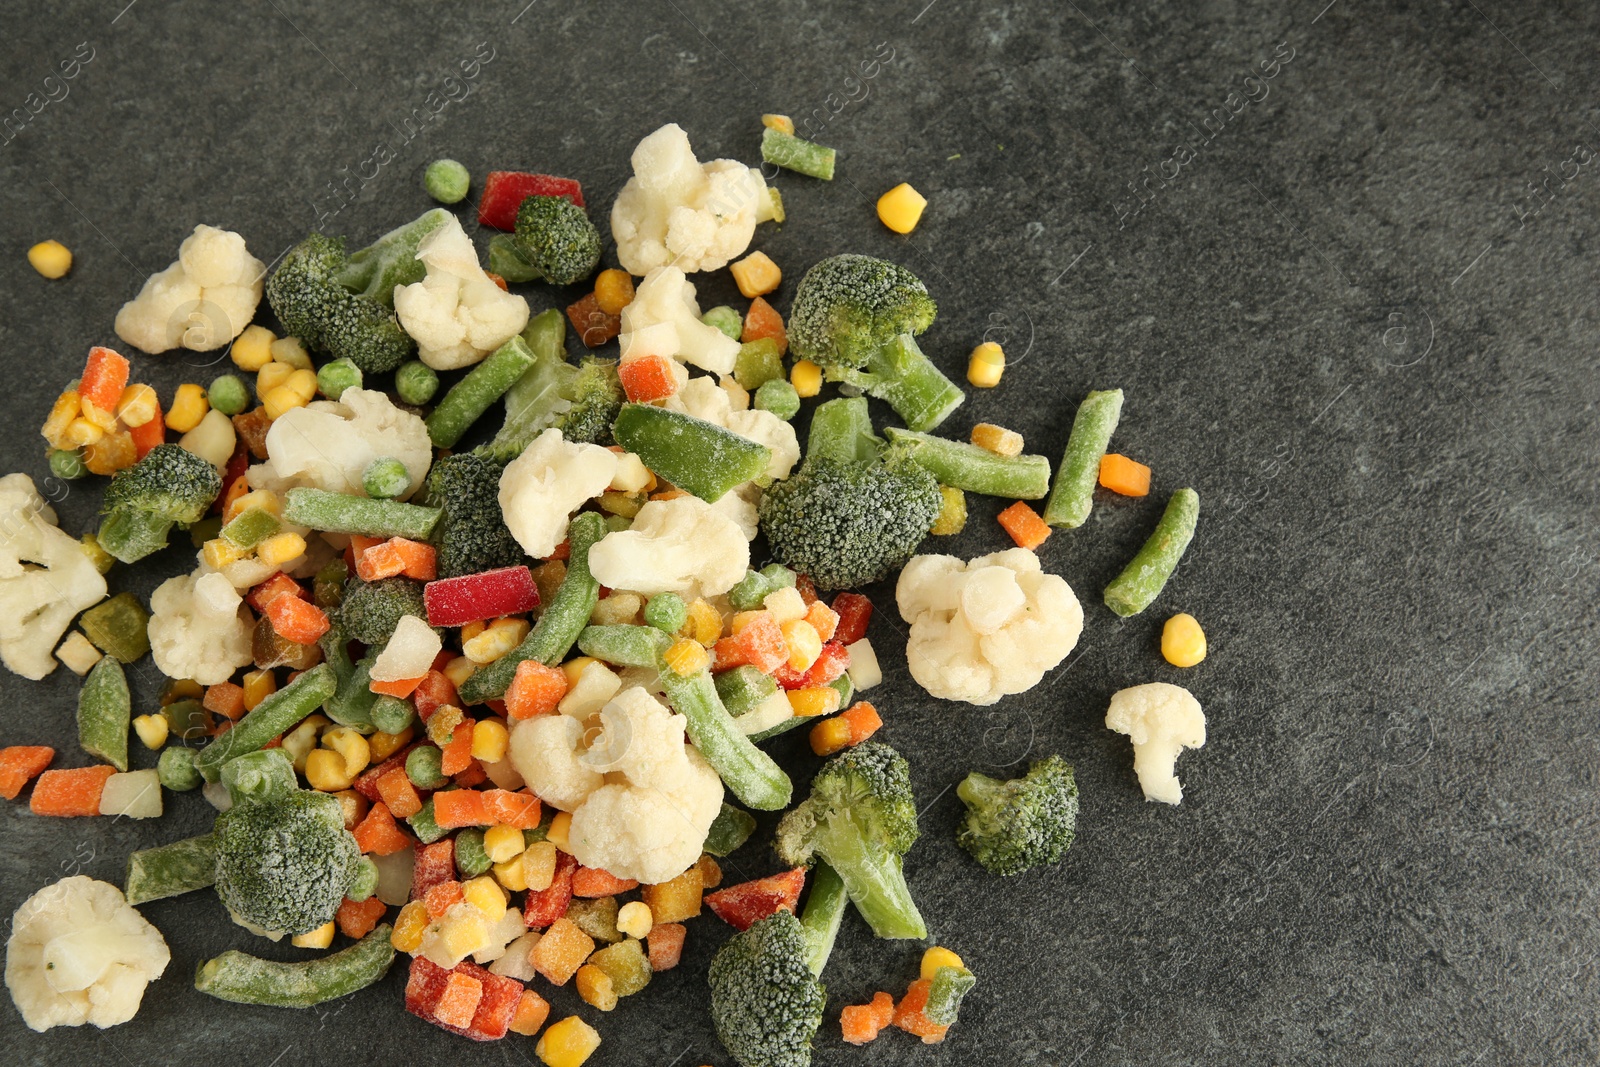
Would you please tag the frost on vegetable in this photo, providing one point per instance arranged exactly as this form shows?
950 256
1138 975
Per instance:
663 319
682 545
541 488
704 399
1161 720
203 301
457 314
199 628
329 445
46 578
987 628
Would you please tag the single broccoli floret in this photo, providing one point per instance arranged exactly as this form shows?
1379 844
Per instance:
854 510
766 1001
471 534
596 396
556 239
169 485
1013 826
581 401
391 260
371 610
861 818
283 864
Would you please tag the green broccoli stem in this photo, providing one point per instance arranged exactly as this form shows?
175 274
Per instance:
823 913
902 375
873 876
842 430
246 979
506 261
391 260
130 534
975 470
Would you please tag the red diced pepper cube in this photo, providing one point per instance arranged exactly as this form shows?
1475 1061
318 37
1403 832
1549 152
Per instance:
591 883
547 905
147 436
831 662
367 783
665 945
424 986
505 190
474 597
435 863
742 906
855 612
648 378
432 693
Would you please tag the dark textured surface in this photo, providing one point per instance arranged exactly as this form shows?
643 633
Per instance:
1342 321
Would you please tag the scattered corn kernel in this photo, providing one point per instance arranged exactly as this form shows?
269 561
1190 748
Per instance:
495 640
459 670
352 746
786 604
756 275
152 730
806 377
986 364
567 1043
81 432
814 701
321 937
281 400
325 770
502 843
634 919
781 123
997 439
258 686
189 406
62 412
484 894
281 548
303 383
937 957
51 259
385 745
560 827
900 208
512 874
1183 643
830 736
804 644
261 499
704 623
106 420
252 349
490 740
618 609
409 926
138 405
686 657
219 552
79 654
473 629
289 350
613 290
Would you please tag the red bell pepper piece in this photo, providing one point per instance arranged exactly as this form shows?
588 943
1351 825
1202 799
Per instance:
432 693
505 190
742 906
473 597
497 1003
367 783
280 584
435 865
547 905
855 612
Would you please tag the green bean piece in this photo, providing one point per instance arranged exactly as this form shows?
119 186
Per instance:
471 858
425 767
175 767
228 395
725 319
693 454
335 377
416 382
791 153
750 592
1073 496
338 513
472 396
103 712
245 979
1142 580
425 826
251 527
778 397
757 363
385 478
747 771
274 715
731 828
187 720
623 645
259 775
391 714
364 881
506 261
168 870
972 469
68 463
564 618
743 688
447 181
118 627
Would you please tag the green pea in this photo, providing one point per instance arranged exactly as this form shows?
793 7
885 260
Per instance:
471 857
725 319
447 181
228 394
334 378
425 767
778 397
618 523
65 463
385 478
416 382
391 714
176 769
666 611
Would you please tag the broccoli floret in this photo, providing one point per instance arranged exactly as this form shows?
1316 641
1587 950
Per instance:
861 818
1013 826
471 534
169 485
766 1001
853 511
283 863
581 401
556 239
391 260
596 396
371 610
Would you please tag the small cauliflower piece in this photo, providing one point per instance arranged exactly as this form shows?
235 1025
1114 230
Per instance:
201 302
410 652
329 444
677 210
1161 720
46 578
596 684
456 314
704 399
987 628
80 953
199 628
663 319
682 545
540 489
544 750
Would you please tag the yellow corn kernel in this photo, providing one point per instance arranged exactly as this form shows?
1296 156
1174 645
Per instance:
806 377
62 412
985 365
263 499
252 349
781 123
573 668
704 623
538 863
494 640
484 894
352 746
51 259
272 375
818 700
279 549
299 741
502 843
613 290
756 275
110 454
289 350
219 552
321 937
80 432
189 406
409 926
177 689
937 957
353 807
325 771
489 740
137 405
952 517
804 644
560 827
281 401
567 1043
473 629
1183 643
258 686
997 439
303 383
152 730
106 420
596 988
459 670
742 619
830 736
786 604
900 208
102 560
634 919
686 657
385 745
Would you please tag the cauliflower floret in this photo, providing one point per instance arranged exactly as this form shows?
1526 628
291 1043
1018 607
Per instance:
457 314
642 800
682 545
988 628
45 579
199 628
540 489
705 399
1161 720
80 953
676 210
202 301
330 443
663 319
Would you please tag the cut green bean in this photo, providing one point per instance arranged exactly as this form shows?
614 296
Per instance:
731 828
564 617
103 712
274 715
624 646
175 767
118 627
791 153
1073 496
353 699
1142 580
975 470
168 870
749 773
259 775
693 454
743 688
245 979
469 398
339 513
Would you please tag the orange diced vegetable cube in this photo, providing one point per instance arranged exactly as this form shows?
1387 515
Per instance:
823 619
532 1011
521 809
357 918
148 435
378 833
400 687
908 1014
561 951
105 375
225 699
459 1001
19 764
398 794
1122 475
1024 525
297 620
592 882
379 561
830 736
458 753
763 320
648 378
535 690
675 900
70 792
459 807
442 897
421 561
863 719
863 1022
665 945
761 642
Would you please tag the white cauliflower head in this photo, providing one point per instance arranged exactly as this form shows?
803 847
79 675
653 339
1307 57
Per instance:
329 444
663 319
45 579
705 399
988 628
202 301
540 489
1161 720
457 314
674 210
80 953
199 628
642 799
682 545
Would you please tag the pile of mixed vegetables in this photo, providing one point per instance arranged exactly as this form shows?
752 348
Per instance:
513 691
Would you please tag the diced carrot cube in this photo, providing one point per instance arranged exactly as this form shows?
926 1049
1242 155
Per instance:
421 561
763 320
535 690
726 654
149 435
1122 475
70 792
532 1011
665 945
676 900
863 720
648 378
459 807
761 641
435 863
473 776
520 809
863 1022
459 1001
1024 525
441 897
105 375
592 882
398 794
19 764
280 584
225 699
360 543
823 618
380 561
908 1014
357 918
297 620
400 687
458 753
379 834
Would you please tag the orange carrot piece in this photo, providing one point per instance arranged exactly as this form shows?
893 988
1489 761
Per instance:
823 618
379 834
442 897
19 764
908 1014
279 585
862 1023
535 690
1024 525
863 720
1127 477
472 777
379 561
70 792
418 560
532 1011
149 435
763 320
459 807
356 918
522 810
298 620
401 688
458 753
398 794
592 882
225 699
648 378
105 375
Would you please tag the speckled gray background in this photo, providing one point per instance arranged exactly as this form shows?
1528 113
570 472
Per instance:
1347 318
